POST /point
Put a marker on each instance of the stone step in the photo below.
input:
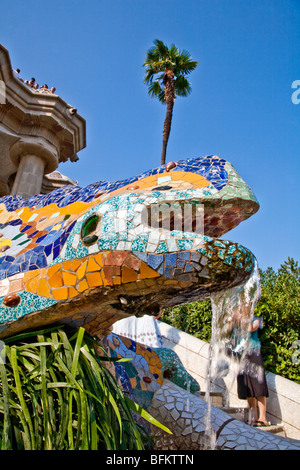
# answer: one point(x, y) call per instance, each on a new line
point(241, 414)
point(216, 398)
point(275, 429)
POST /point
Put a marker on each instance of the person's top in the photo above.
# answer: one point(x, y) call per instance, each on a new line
point(254, 342)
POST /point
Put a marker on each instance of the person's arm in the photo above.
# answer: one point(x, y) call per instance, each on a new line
point(254, 326)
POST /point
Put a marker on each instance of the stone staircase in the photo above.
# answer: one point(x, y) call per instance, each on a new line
point(241, 413)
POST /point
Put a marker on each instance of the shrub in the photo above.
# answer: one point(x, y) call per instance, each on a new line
point(280, 307)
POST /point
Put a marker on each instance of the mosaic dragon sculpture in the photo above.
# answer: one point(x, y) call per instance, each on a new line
point(91, 256)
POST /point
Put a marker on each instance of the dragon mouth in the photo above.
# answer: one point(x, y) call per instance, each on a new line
point(200, 217)
point(185, 252)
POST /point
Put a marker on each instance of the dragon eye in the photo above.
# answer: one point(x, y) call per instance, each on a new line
point(88, 230)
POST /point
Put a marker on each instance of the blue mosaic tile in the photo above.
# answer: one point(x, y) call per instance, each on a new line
point(155, 260)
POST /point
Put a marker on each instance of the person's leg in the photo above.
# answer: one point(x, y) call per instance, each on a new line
point(252, 409)
point(262, 408)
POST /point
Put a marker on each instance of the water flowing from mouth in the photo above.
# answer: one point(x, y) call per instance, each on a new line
point(232, 312)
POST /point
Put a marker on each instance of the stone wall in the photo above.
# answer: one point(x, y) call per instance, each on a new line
point(283, 404)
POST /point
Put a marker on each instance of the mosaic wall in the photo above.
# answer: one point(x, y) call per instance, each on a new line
point(186, 416)
point(85, 256)
point(144, 374)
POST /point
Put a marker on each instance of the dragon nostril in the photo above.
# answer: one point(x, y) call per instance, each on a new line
point(147, 380)
point(170, 166)
point(12, 300)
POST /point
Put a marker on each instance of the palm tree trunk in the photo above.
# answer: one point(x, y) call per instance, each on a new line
point(166, 131)
point(170, 98)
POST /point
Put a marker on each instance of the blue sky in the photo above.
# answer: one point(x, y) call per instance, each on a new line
point(240, 108)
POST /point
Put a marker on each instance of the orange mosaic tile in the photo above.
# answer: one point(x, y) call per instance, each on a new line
point(52, 270)
point(69, 279)
point(43, 288)
point(128, 275)
point(44, 273)
point(82, 285)
point(72, 292)
point(94, 279)
point(60, 293)
point(67, 265)
point(146, 272)
point(92, 265)
point(75, 264)
point(32, 285)
point(98, 259)
point(81, 270)
point(56, 280)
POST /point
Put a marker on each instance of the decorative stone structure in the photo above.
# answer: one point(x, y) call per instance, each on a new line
point(38, 130)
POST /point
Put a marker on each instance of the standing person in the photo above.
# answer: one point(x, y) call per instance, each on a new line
point(251, 381)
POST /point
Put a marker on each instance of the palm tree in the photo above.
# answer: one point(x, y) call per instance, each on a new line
point(166, 71)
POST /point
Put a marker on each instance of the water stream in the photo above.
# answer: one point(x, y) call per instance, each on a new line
point(232, 311)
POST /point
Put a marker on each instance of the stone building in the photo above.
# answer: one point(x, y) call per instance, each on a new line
point(38, 131)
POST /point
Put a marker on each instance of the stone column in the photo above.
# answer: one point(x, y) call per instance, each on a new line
point(28, 181)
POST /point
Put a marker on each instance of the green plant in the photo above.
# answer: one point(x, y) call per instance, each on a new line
point(56, 394)
point(279, 305)
point(194, 318)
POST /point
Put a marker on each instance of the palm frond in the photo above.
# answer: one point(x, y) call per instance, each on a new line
point(182, 86)
point(161, 48)
point(156, 91)
point(160, 58)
